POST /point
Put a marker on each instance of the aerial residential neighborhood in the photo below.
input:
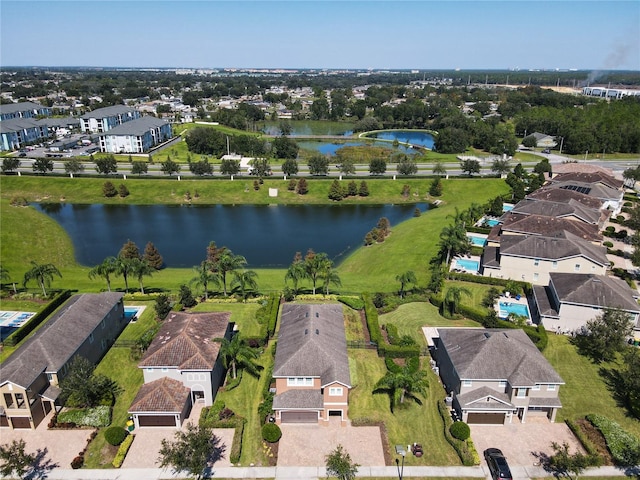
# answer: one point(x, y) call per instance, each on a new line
point(319, 240)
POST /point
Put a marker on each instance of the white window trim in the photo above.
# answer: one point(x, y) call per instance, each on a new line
point(551, 387)
point(536, 387)
point(467, 383)
point(299, 382)
point(336, 391)
point(521, 393)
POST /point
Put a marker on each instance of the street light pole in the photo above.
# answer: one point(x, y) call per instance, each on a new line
point(400, 471)
point(561, 143)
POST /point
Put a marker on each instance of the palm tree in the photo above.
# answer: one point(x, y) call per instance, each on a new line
point(43, 274)
point(104, 270)
point(329, 276)
point(295, 273)
point(228, 262)
point(404, 383)
point(204, 277)
point(453, 240)
point(405, 279)
point(453, 297)
point(141, 268)
point(245, 282)
point(124, 267)
point(235, 353)
point(314, 265)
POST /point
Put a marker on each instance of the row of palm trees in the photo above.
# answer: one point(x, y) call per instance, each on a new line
point(122, 266)
point(42, 273)
point(316, 267)
point(216, 271)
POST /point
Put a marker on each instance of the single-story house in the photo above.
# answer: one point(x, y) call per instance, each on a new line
point(544, 141)
point(180, 367)
point(311, 367)
point(86, 325)
point(494, 374)
point(570, 300)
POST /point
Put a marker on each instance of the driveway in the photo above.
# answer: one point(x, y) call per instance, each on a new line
point(307, 445)
point(58, 447)
point(144, 451)
point(520, 441)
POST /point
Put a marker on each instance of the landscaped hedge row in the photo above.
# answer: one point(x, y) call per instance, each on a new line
point(586, 443)
point(15, 338)
point(209, 417)
point(352, 302)
point(538, 336)
point(372, 319)
point(485, 230)
point(624, 447)
point(122, 451)
point(398, 351)
point(465, 450)
point(503, 282)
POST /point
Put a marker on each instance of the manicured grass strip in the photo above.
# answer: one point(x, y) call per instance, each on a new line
point(242, 314)
point(410, 422)
point(585, 391)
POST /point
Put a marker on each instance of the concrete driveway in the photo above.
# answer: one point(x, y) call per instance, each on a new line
point(307, 445)
point(520, 441)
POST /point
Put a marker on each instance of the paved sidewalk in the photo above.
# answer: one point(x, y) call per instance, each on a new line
point(311, 473)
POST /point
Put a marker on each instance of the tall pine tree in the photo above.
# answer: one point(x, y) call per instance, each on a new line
point(129, 250)
point(152, 256)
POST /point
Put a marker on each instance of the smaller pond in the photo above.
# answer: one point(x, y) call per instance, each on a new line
point(413, 137)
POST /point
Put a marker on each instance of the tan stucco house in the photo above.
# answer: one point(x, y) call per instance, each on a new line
point(493, 375)
point(311, 367)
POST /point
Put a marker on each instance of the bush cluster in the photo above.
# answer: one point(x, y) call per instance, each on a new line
point(624, 447)
point(271, 432)
point(460, 430)
point(352, 302)
point(115, 435)
point(465, 450)
point(210, 417)
point(122, 451)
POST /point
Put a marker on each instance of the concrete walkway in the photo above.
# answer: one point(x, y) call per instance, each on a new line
point(311, 473)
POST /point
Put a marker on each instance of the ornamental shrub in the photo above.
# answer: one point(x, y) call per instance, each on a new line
point(460, 430)
point(271, 432)
point(115, 435)
point(122, 451)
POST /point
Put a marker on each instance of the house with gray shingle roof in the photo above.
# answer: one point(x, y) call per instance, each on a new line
point(311, 367)
point(86, 325)
point(570, 300)
point(136, 136)
point(494, 374)
point(531, 258)
point(543, 226)
point(571, 209)
point(10, 111)
point(184, 352)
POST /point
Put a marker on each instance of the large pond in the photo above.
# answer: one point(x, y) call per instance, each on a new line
point(268, 236)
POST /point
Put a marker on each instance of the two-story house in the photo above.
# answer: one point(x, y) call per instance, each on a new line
point(86, 325)
point(311, 367)
point(180, 367)
point(496, 374)
point(104, 119)
point(531, 258)
point(570, 300)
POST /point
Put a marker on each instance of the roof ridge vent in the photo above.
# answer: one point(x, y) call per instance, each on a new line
point(487, 335)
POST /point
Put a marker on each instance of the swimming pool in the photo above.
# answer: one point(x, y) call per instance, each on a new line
point(133, 313)
point(477, 241)
point(468, 265)
point(507, 207)
point(492, 222)
point(507, 308)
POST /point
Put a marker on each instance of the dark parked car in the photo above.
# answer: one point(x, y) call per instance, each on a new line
point(497, 464)
point(546, 150)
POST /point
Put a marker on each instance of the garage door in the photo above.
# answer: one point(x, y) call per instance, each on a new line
point(299, 417)
point(486, 418)
point(157, 421)
point(20, 422)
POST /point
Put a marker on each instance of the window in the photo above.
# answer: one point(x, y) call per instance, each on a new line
point(103, 344)
point(554, 264)
point(536, 387)
point(299, 382)
point(536, 262)
point(335, 391)
point(551, 388)
point(148, 370)
point(91, 338)
point(502, 384)
point(522, 392)
point(467, 383)
point(165, 370)
point(535, 277)
point(104, 323)
point(576, 268)
point(20, 400)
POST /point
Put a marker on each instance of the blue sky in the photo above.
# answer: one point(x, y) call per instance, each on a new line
point(380, 34)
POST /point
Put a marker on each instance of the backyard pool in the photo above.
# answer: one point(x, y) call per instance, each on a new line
point(492, 222)
point(131, 314)
point(10, 321)
point(477, 240)
point(507, 207)
point(468, 265)
point(507, 308)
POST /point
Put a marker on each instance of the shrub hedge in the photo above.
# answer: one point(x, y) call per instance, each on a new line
point(624, 447)
point(271, 432)
point(115, 435)
point(460, 430)
point(465, 450)
point(210, 417)
point(122, 451)
point(468, 277)
point(352, 302)
point(372, 319)
point(15, 338)
point(586, 443)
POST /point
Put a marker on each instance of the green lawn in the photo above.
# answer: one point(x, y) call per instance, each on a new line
point(242, 314)
point(585, 390)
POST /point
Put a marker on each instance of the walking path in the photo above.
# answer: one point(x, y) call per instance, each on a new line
point(311, 473)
